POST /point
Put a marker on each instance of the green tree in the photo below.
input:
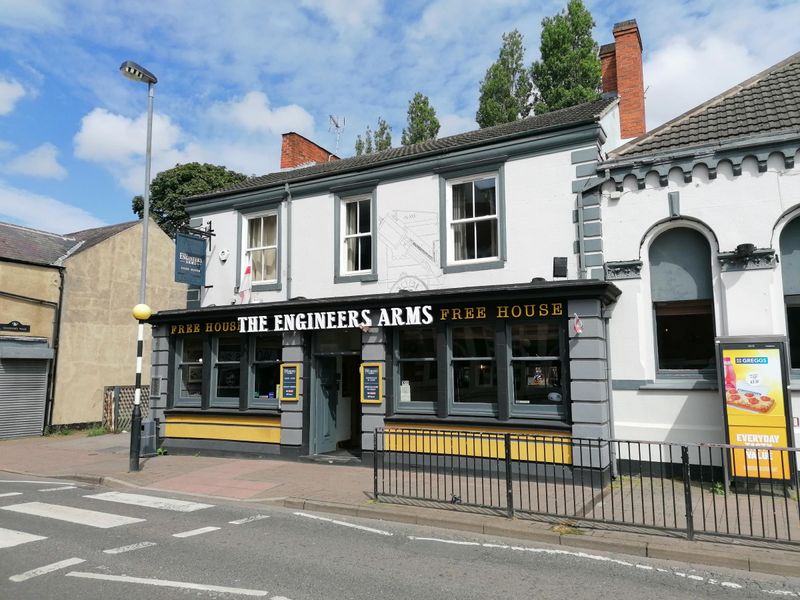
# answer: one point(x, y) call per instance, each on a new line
point(169, 190)
point(375, 141)
point(422, 122)
point(568, 72)
point(506, 87)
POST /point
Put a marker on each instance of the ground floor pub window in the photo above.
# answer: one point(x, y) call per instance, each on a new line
point(416, 364)
point(265, 373)
point(537, 366)
point(226, 378)
point(190, 369)
point(474, 365)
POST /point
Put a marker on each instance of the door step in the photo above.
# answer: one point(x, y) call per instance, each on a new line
point(333, 459)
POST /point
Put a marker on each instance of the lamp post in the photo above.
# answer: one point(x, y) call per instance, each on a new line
point(141, 312)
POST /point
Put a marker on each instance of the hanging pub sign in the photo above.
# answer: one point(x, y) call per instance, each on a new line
point(15, 326)
point(289, 381)
point(371, 383)
point(190, 259)
point(754, 386)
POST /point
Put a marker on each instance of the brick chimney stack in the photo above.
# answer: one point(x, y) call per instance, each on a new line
point(297, 151)
point(621, 64)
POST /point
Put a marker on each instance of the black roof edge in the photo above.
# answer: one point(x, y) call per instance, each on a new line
point(402, 159)
point(605, 291)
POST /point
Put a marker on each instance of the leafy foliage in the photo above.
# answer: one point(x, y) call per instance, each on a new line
point(422, 122)
point(380, 139)
point(169, 190)
point(506, 88)
point(568, 72)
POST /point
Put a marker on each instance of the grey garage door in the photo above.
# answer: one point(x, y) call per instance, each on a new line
point(23, 389)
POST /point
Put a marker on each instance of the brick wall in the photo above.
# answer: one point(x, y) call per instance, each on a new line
point(297, 150)
point(630, 80)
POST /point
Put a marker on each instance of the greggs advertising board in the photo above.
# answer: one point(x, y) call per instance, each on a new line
point(757, 406)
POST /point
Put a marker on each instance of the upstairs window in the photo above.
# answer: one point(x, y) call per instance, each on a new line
point(357, 238)
point(262, 247)
point(682, 294)
point(473, 220)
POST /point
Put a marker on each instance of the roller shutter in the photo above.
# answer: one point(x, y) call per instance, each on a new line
point(23, 390)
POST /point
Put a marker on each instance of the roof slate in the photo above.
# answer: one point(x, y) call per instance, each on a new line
point(581, 113)
point(43, 248)
point(768, 103)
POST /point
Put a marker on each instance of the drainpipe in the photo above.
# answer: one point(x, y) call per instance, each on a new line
point(288, 241)
point(51, 392)
point(611, 433)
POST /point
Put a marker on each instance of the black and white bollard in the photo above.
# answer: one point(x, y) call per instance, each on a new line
point(141, 312)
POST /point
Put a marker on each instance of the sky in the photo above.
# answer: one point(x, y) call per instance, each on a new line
point(234, 75)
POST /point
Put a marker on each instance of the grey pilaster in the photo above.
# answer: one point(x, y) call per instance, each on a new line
point(159, 375)
point(292, 412)
point(374, 350)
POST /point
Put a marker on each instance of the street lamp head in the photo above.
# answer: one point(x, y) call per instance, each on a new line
point(136, 72)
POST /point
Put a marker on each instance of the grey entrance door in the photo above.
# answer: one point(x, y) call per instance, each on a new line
point(325, 403)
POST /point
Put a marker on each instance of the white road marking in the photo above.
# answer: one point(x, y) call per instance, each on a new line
point(248, 519)
point(26, 481)
point(10, 538)
point(122, 549)
point(170, 584)
point(186, 534)
point(585, 555)
point(80, 516)
point(46, 569)
point(454, 542)
point(781, 593)
point(58, 489)
point(7, 494)
point(344, 523)
point(150, 501)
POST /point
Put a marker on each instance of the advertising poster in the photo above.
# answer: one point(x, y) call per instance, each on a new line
point(756, 409)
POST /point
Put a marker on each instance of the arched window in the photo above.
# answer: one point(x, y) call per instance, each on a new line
point(790, 269)
point(680, 282)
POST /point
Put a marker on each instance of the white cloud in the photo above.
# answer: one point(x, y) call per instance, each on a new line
point(24, 14)
point(452, 124)
point(6, 146)
point(42, 212)
point(105, 137)
point(253, 113)
point(39, 162)
point(11, 91)
point(348, 15)
point(683, 74)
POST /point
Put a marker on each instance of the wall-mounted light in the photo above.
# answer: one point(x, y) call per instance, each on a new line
point(745, 249)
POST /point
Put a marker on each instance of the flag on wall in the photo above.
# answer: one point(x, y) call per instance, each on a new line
point(246, 285)
point(577, 324)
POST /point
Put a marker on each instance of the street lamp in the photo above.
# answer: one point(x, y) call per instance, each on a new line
point(141, 311)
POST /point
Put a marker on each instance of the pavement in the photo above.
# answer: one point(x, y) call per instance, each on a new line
point(347, 490)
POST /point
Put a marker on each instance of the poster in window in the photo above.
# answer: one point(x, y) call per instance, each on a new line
point(753, 377)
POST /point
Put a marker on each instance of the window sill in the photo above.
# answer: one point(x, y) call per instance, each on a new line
point(476, 421)
point(473, 266)
point(225, 411)
point(680, 385)
point(266, 287)
point(355, 277)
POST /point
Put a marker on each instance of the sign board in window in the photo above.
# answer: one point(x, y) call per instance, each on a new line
point(190, 259)
point(371, 383)
point(757, 407)
point(290, 382)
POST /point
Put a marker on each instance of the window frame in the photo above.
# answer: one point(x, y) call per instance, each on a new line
point(793, 301)
point(708, 374)
point(447, 237)
point(215, 401)
point(243, 235)
point(472, 408)
point(179, 401)
point(251, 401)
point(560, 412)
point(428, 408)
point(341, 199)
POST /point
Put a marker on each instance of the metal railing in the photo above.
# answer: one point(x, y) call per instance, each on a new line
point(118, 406)
point(710, 489)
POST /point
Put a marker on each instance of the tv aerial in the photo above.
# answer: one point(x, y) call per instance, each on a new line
point(337, 125)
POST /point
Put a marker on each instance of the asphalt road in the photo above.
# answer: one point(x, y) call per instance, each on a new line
point(126, 548)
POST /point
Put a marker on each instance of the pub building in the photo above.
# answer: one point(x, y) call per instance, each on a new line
point(566, 274)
